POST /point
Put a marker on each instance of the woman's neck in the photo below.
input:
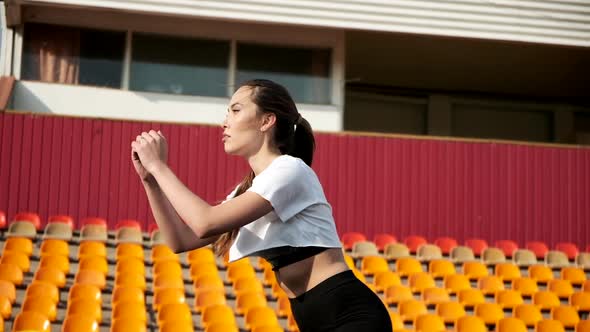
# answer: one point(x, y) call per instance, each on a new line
point(261, 160)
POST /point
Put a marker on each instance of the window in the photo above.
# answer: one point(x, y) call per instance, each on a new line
point(305, 72)
point(179, 65)
point(70, 55)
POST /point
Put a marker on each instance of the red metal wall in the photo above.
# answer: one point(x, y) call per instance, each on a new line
point(404, 186)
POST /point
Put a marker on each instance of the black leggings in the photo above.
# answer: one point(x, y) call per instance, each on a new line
point(340, 303)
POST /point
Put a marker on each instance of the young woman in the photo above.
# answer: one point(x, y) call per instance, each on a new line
point(278, 212)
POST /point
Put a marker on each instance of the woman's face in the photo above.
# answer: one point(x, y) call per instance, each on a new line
point(242, 134)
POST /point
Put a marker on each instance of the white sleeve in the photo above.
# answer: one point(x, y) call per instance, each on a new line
point(286, 185)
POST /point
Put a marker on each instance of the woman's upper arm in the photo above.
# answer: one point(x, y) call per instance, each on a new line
point(232, 214)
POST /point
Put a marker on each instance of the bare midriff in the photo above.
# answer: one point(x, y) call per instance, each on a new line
point(299, 277)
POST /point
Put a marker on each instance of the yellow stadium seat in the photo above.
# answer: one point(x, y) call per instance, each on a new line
point(91, 277)
point(383, 280)
point(541, 273)
point(530, 314)
point(260, 316)
point(208, 282)
point(201, 269)
point(396, 320)
point(420, 281)
point(95, 263)
point(268, 328)
point(247, 284)
point(85, 307)
point(450, 311)
point(429, 322)
point(11, 273)
point(174, 312)
point(283, 306)
point(440, 268)
point(410, 309)
point(128, 325)
point(291, 324)
point(245, 301)
point(583, 326)
point(470, 324)
point(549, 325)
point(167, 267)
point(575, 275)
point(216, 313)
point(5, 307)
point(235, 272)
point(546, 300)
point(490, 313)
point(435, 295)
point(8, 290)
point(130, 265)
point(127, 310)
point(129, 250)
point(475, 270)
point(55, 247)
point(177, 326)
point(526, 286)
point(567, 315)
point(397, 293)
point(371, 265)
point(406, 266)
point(31, 320)
point(168, 295)
point(161, 252)
point(79, 323)
point(561, 288)
point(52, 275)
point(85, 291)
point(509, 298)
point(507, 271)
point(470, 297)
point(44, 305)
point(17, 258)
point(92, 248)
point(455, 283)
point(201, 255)
point(222, 327)
point(58, 261)
point(511, 324)
point(19, 244)
point(131, 279)
point(128, 293)
point(580, 301)
point(490, 285)
point(43, 289)
point(164, 280)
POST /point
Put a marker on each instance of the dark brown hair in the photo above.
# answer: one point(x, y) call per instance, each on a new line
point(292, 135)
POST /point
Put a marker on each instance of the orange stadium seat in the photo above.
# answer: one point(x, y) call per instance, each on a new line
point(200, 269)
point(128, 325)
point(245, 301)
point(8, 290)
point(397, 293)
point(31, 321)
point(414, 242)
point(55, 247)
point(176, 326)
point(161, 252)
point(455, 283)
point(541, 273)
point(406, 266)
point(583, 326)
point(440, 268)
point(235, 272)
point(130, 265)
point(470, 324)
point(546, 300)
point(222, 327)
point(570, 249)
point(260, 316)
point(43, 289)
point(62, 263)
point(11, 273)
point(174, 312)
point(383, 239)
point(131, 279)
point(562, 288)
point(86, 307)
point(530, 314)
point(268, 328)
point(509, 299)
point(511, 324)
point(490, 285)
point(94, 263)
point(383, 280)
point(507, 271)
point(580, 301)
point(508, 247)
point(20, 244)
point(201, 255)
point(168, 295)
point(420, 281)
point(350, 238)
point(79, 323)
point(168, 267)
point(208, 298)
point(93, 277)
point(41, 304)
point(477, 245)
point(85, 291)
point(575, 275)
point(165, 280)
point(208, 282)
point(446, 244)
point(539, 248)
point(526, 286)
point(475, 270)
point(429, 322)
point(17, 258)
point(490, 313)
point(248, 284)
point(370, 265)
point(549, 325)
point(217, 313)
point(470, 297)
point(450, 311)
point(396, 321)
point(127, 293)
point(5, 307)
point(129, 250)
point(127, 310)
point(283, 306)
point(52, 275)
point(92, 248)
point(567, 315)
point(410, 309)
point(435, 295)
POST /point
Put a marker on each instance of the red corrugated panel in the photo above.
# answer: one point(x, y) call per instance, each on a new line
point(403, 186)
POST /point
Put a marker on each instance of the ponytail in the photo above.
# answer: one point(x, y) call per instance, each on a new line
point(304, 143)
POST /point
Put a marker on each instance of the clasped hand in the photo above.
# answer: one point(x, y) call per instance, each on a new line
point(149, 151)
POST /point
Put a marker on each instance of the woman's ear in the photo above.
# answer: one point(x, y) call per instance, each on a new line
point(268, 121)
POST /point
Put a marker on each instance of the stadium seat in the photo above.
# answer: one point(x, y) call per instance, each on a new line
point(570, 249)
point(260, 316)
point(406, 266)
point(414, 242)
point(82, 291)
point(546, 300)
point(583, 260)
point(128, 325)
point(440, 268)
point(526, 286)
point(283, 306)
point(508, 247)
point(556, 259)
point(461, 254)
point(62, 219)
point(130, 265)
point(167, 280)
point(583, 326)
point(51, 247)
point(455, 283)
point(492, 256)
point(427, 252)
point(93, 232)
point(410, 309)
point(420, 281)
point(541, 273)
point(5, 307)
point(201, 255)
point(2, 219)
point(470, 297)
point(393, 251)
point(524, 257)
point(382, 240)
point(20, 244)
point(130, 235)
point(62, 263)
point(385, 279)
point(511, 324)
point(131, 279)
point(52, 275)
point(364, 248)
point(475, 270)
point(508, 298)
point(127, 310)
point(177, 326)
point(217, 313)
point(11, 273)
point(507, 271)
point(540, 249)
point(91, 277)
point(32, 321)
point(586, 286)
point(248, 284)
point(162, 252)
point(79, 323)
point(94, 263)
point(208, 281)
point(167, 267)
point(580, 301)
point(57, 231)
point(249, 300)
point(235, 272)
point(30, 217)
point(268, 328)
point(490, 313)
point(85, 307)
point(223, 327)
point(174, 312)
point(429, 322)
point(24, 229)
point(350, 238)
point(549, 325)
point(17, 258)
point(92, 248)
point(43, 289)
point(370, 265)
point(434, 295)
point(397, 293)
point(446, 244)
point(470, 324)
point(561, 288)
point(129, 250)
point(490, 285)
point(127, 293)
point(210, 297)
point(575, 275)
point(44, 305)
point(167, 295)
point(8, 290)
point(396, 320)
point(567, 315)
point(530, 314)
point(450, 311)
point(477, 245)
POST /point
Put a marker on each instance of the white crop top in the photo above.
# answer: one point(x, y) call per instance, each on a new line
point(301, 215)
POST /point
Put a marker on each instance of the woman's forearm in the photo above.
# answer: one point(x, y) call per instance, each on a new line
point(177, 234)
